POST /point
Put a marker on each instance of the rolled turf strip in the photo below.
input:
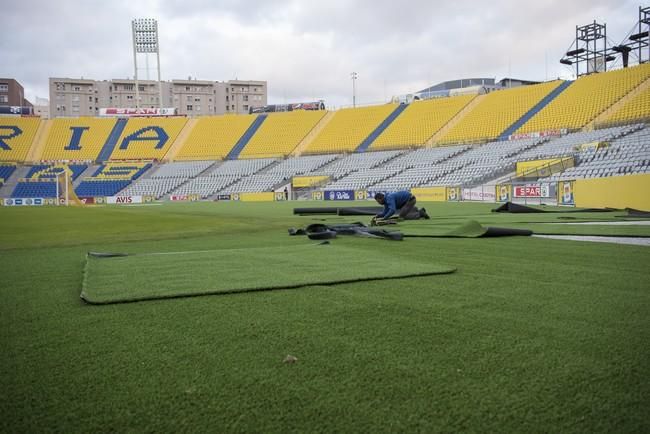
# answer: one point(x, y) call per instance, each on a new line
point(359, 210)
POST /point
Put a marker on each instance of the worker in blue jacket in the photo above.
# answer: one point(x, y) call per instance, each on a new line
point(403, 201)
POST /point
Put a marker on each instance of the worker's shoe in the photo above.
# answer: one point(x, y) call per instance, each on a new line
point(423, 214)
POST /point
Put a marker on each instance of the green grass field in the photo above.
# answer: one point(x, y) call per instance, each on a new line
point(528, 334)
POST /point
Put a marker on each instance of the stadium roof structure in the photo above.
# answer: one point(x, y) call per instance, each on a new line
point(459, 84)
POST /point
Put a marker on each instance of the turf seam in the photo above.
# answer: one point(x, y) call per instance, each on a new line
point(243, 291)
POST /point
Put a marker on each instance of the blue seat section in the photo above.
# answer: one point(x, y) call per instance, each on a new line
point(6, 171)
point(101, 188)
point(51, 171)
point(380, 129)
point(111, 142)
point(111, 178)
point(533, 111)
point(243, 140)
point(35, 189)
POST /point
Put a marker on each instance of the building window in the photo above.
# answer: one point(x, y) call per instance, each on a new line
point(4, 98)
point(75, 108)
point(60, 96)
point(198, 108)
point(189, 108)
point(141, 87)
point(187, 88)
point(245, 97)
point(245, 106)
point(129, 97)
point(75, 98)
point(197, 99)
point(4, 87)
point(226, 98)
point(60, 86)
point(128, 87)
point(90, 99)
point(76, 88)
point(233, 107)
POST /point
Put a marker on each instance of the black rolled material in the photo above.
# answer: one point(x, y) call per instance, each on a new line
point(361, 210)
point(515, 208)
point(326, 210)
point(505, 232)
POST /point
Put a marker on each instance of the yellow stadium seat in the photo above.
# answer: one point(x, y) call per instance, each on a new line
point(420, 121)
point(16, 137)
point(281, 133)
point(586, 98)
point(638, 108)
point(147, 138)
point(498, 111)
point(77, 138)
point(348, 128)
point(214, 136)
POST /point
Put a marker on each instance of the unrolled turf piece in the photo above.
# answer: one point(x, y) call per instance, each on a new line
point(120, 279)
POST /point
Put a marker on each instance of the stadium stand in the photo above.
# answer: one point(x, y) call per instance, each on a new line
point(625, 155)
point(111, 178)
point(420, 121)
point(587, 97)
point(166, 178)
point(255, 183)
point(77, 139)
point(353, 162)
point(418, 167)
point(481, 163)
point(348, 128)
point(16, 137)
point(276, 174)
point(147, 138)
point(279, 135)
point(363, 178)
point(635, 109)
point(45, 189)
point(40, 180)
point(566, 145)
point(46, 171)
point(6, 170)
point(300, 165)
point(213, 137)
point(497, 112)
point(222, 176)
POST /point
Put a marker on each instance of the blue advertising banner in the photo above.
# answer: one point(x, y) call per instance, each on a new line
point(339, 194)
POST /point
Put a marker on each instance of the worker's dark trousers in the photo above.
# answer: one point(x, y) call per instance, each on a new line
point(409, 211)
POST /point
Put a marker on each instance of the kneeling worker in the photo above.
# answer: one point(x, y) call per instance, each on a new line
point(403, 201)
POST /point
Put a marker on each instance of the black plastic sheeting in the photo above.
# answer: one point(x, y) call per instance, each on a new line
point(506, 232)
point(319, 231)
point(631, 212)
point(358, 210)
point(515, 208)
point(490, 232)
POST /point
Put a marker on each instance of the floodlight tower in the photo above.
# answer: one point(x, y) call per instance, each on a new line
point(145, 40)
point(590, 49)
point(354, 76)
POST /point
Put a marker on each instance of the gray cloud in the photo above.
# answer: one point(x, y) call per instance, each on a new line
point(305, 49)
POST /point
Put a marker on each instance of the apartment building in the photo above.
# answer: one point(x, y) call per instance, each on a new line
point(191, 97)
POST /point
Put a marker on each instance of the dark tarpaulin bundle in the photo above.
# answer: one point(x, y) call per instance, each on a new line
point(319, 231)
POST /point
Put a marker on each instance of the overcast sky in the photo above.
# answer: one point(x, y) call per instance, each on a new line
point(304, 49)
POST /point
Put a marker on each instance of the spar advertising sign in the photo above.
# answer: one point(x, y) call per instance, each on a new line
point(531, 190)
point(121, 200)
point(339, 194)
